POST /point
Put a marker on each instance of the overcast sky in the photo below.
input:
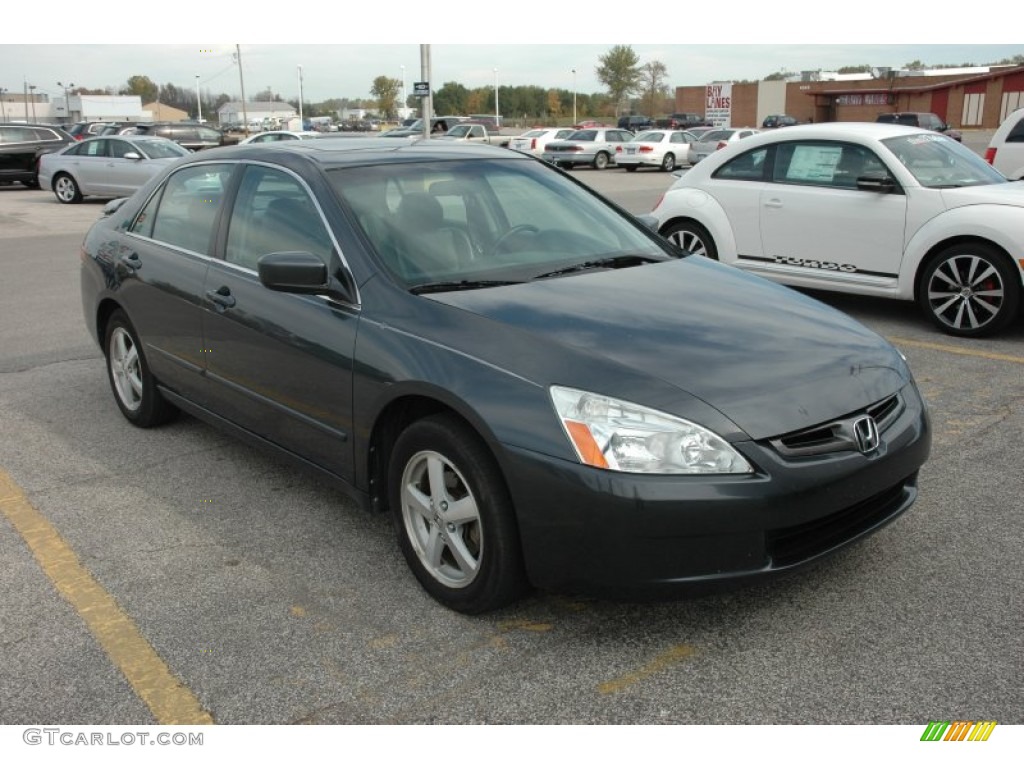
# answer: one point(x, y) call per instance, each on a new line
point(341, 48)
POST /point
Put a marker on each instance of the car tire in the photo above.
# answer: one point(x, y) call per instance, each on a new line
point(669, 163)
point(461, 541)
point(134, 387)
point(601, 160)
point(32, 183)
point(66, 189)
point(970, 289)
point(629, 168)
point(691, 237)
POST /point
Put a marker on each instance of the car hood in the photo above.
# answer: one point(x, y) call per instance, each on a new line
point(768, 358)
point(1011, 193)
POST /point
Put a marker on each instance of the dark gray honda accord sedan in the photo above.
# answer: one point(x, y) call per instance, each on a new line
point(539, 389)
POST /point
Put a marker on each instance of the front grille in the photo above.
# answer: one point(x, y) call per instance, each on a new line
point(838, 435)
point(789, 546)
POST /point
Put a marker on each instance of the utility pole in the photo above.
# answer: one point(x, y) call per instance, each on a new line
point(199, 103)
point(428, 100)
point(241, 83)
point(301, 121)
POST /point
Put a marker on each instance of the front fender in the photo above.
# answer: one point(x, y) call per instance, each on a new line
point(996, 224)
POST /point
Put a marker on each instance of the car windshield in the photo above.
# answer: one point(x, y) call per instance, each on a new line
point(939, 162)
point(468, 224)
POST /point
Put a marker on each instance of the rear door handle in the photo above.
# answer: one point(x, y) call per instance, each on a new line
point(773, 203)
point(222, 298)
point(131, 261)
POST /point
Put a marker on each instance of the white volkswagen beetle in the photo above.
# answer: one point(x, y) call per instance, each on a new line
point(866, 208)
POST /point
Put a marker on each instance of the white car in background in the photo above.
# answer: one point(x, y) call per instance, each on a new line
point(535, 140)
point(108, 166)
point(664, 149)
point(596, 147)
point(268, 137)
point(866, 208)
point(1006, 149)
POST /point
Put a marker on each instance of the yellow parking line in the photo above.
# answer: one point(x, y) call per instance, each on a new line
point(956, 350)
point(671, 656)
point(167, 698)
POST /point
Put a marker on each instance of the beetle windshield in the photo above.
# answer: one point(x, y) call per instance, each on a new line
point(939, 162)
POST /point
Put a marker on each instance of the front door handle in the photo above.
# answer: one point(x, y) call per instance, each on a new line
point(222, 298)
point(773, 203)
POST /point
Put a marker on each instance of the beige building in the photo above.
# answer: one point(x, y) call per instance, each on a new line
point(162, 113)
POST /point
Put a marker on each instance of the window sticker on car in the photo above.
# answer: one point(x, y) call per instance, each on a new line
point(810, 163)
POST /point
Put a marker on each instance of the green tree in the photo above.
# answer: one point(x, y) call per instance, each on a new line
point(780, 75)
point(619, 70)
point(451, 99)
point(385, 90)
point(654, 75)
point(141, 86)
point(915, 64)
point(851, 69)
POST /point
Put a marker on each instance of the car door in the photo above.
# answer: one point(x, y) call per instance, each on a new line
point(124, 175)
point(89, 166)
point(280, 364)
point(162, 264)
point(816, 223)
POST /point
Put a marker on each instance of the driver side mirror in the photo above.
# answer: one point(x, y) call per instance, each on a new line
point(876, 181)
point(131, 156)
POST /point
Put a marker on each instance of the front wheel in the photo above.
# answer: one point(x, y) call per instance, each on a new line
point(66, 189)
point(601, 161)
point(454, 517)
point(630, 168)
point(134, 386)
point(971, 289)
point(692, 238)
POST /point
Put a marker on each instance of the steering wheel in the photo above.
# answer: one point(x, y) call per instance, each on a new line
point(496, 248)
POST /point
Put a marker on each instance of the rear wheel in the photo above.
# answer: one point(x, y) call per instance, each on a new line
point(669, 163)
point(601, 161)
point(630, 168)
point(32, 183)
point(454, 517)
point(66, 189)
point(970, 289)
point(692, 238)
point(134, 386)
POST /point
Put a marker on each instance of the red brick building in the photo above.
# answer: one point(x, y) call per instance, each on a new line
point(979, 101)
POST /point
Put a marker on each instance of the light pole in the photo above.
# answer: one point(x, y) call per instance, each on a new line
point(3, 109)
point(199, 102)
point(404, 97)
point(302, 122)
point(574, 97)
point(32, 91)
point(497, 113)
point(67, 103)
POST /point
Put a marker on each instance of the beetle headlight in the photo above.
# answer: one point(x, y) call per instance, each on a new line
point(614, 434)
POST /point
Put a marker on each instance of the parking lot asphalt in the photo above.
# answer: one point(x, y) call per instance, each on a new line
point(270, 599)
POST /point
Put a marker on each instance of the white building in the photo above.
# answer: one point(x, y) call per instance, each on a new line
point(260, 113)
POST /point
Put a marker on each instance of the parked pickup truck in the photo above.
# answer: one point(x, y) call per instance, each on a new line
point(476, 134)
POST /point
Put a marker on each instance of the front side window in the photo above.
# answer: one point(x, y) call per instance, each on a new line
point(183, 213)
point(824, 163)
point(273, 213)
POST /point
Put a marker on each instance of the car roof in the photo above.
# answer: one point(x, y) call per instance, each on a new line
point(330, 151)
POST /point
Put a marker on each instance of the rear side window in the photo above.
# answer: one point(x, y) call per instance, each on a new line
point(184, 212)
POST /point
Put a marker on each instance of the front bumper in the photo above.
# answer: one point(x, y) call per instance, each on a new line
point(637, 536)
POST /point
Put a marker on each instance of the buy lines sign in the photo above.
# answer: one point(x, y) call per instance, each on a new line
point(718, 104)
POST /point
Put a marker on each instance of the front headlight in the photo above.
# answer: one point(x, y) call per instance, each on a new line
point(614, 434)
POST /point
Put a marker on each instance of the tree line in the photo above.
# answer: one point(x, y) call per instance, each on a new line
point(631, 86)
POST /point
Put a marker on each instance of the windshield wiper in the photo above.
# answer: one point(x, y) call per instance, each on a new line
point(609, 262)
point(459, 285)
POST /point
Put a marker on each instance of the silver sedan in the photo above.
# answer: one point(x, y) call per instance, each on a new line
point(593, 146)
point(111, 166)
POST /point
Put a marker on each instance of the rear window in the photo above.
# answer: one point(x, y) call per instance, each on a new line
point(717, 136)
